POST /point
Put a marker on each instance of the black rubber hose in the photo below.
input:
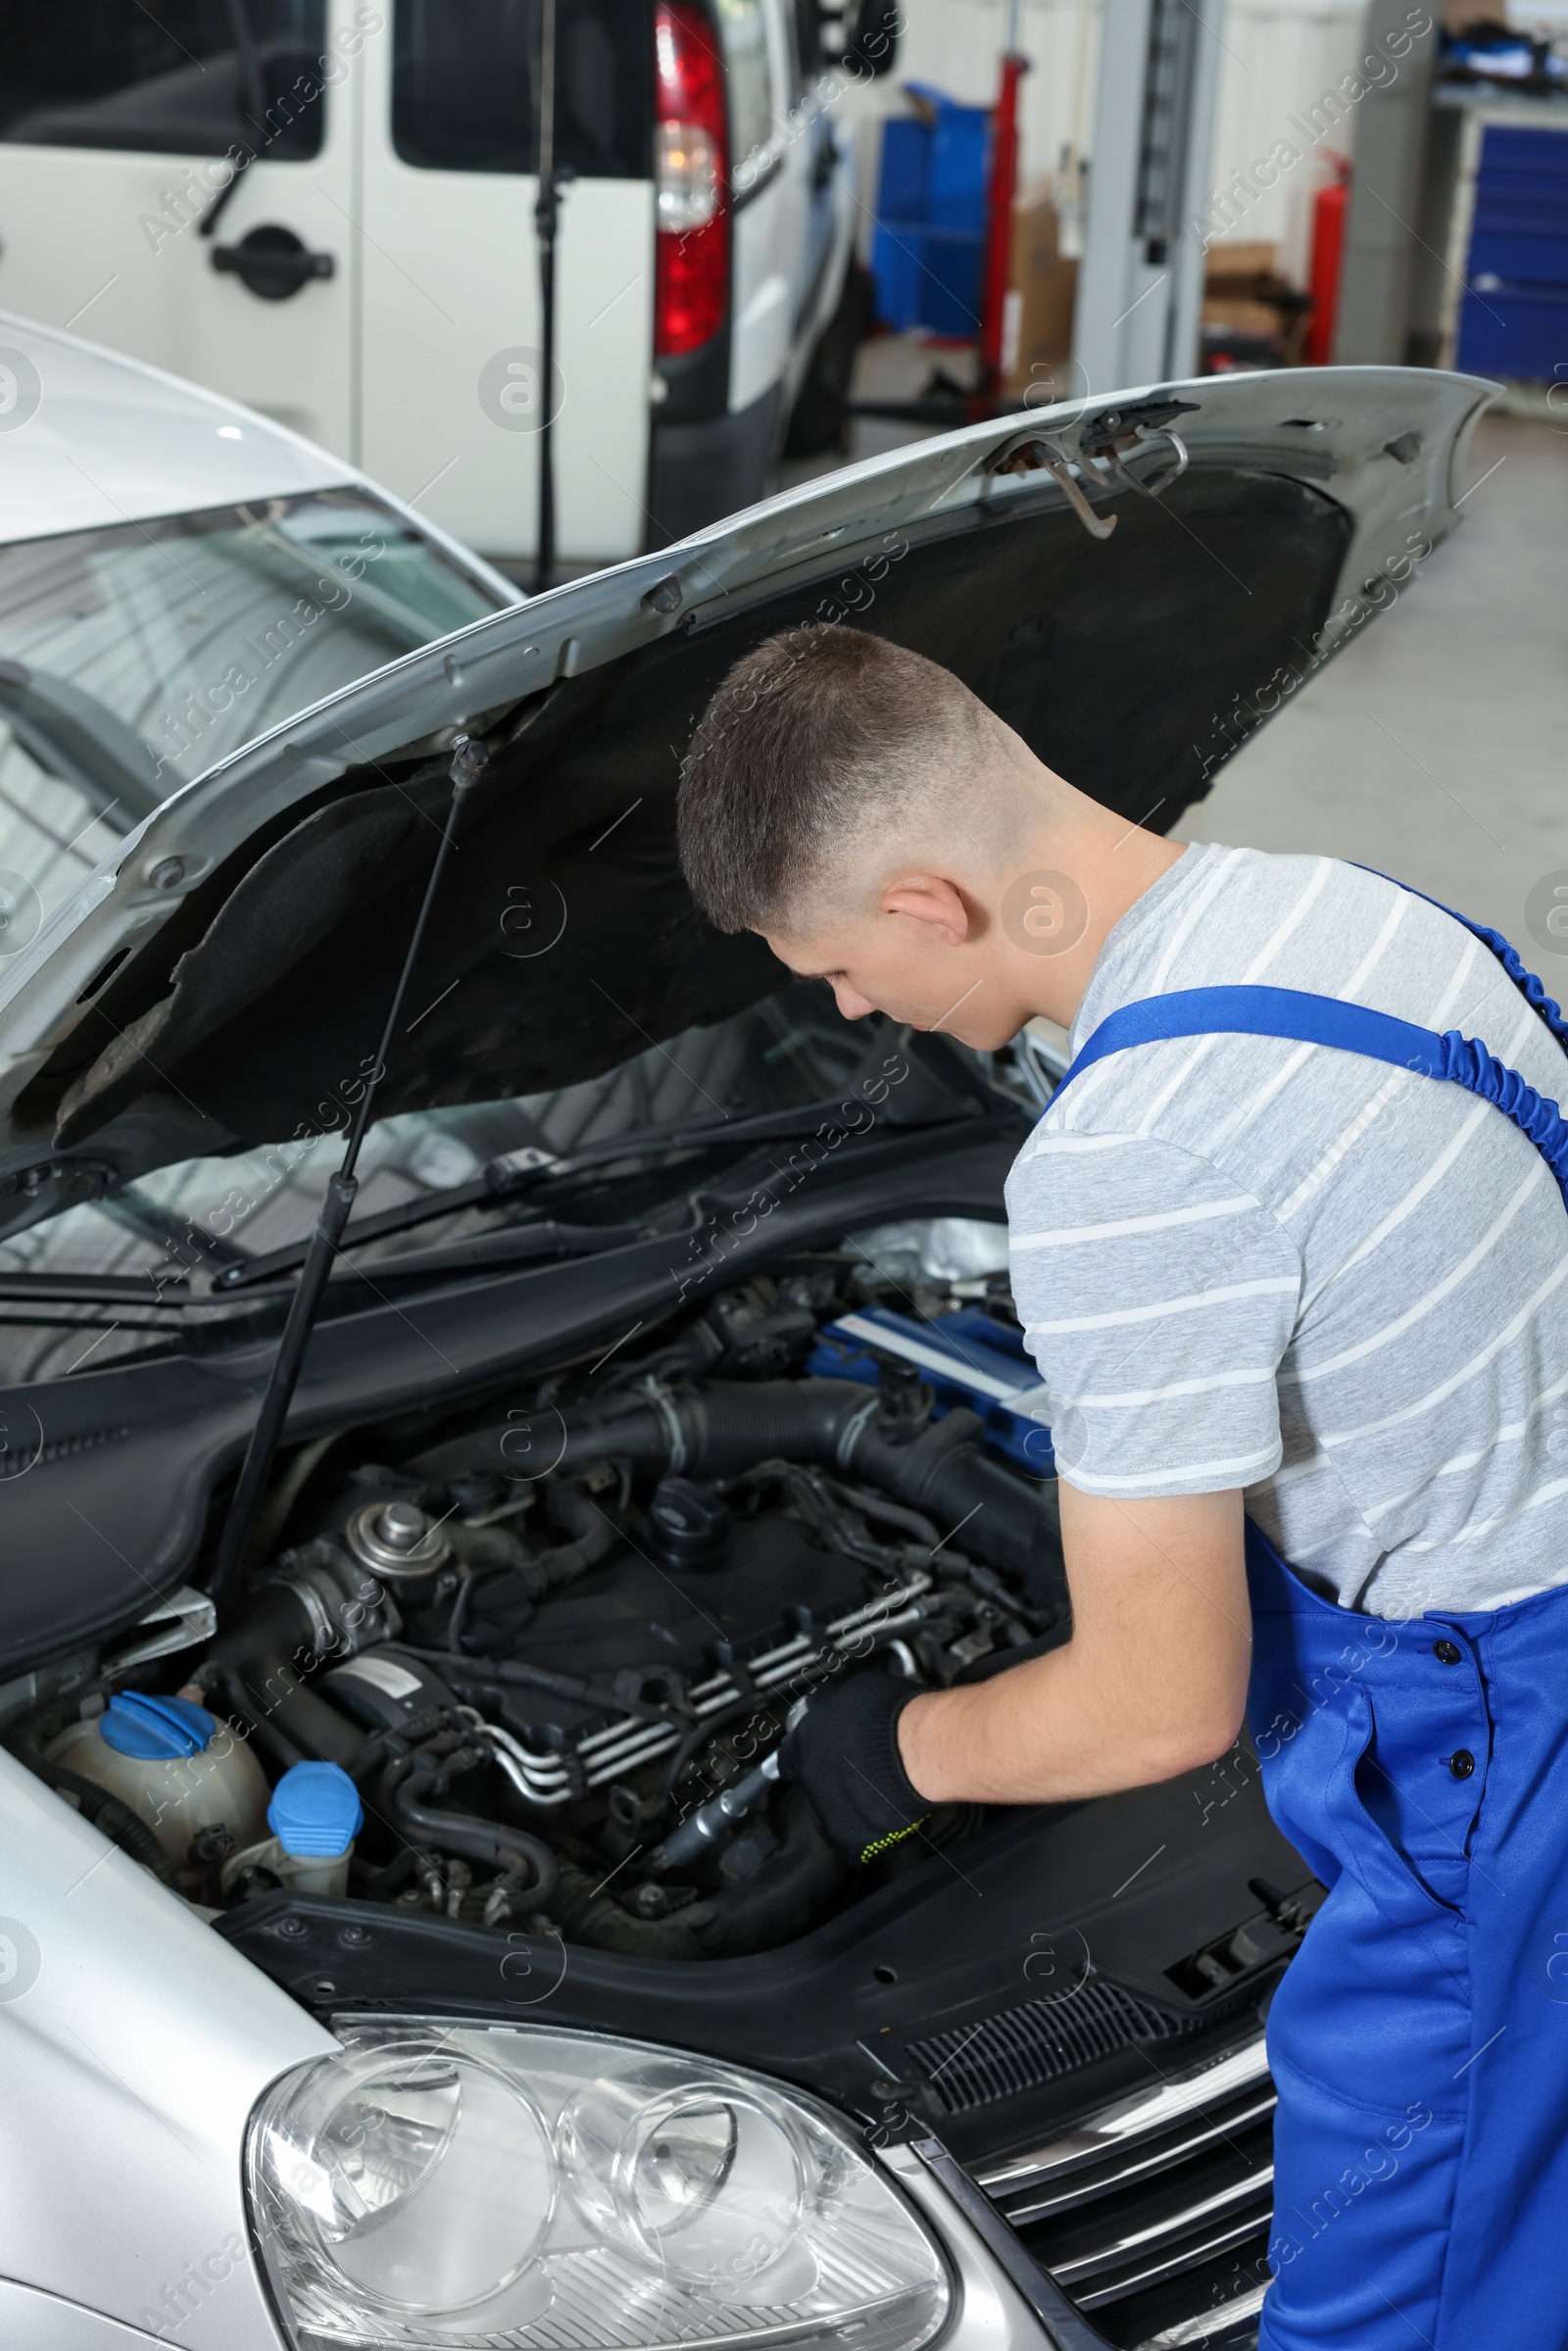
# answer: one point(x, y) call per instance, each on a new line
point(381, 1745)
point(501, 1845)
point(750, 1700)
point(788, 1897)
point(253, 1662)
point(592, 1435)
point(944, 1473)
point(594, 1535)
point(722, 1427)
point(223, 1682)
point(107, 1813)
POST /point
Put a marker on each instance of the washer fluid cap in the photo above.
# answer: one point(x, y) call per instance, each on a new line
point(314, 1811)
point(149, 1728)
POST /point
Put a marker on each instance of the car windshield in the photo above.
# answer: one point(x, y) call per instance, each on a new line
point(133, 658)
point(166, 1238)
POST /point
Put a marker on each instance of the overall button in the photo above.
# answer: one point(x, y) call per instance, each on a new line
point(1461, 1763)
point(1446, 1652)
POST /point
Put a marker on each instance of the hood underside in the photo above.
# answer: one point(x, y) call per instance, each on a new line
point(228, 972)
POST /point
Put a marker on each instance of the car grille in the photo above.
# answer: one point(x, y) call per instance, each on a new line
point(1152, 2215)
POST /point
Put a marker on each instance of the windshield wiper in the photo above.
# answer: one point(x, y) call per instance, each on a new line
point(107, 1288)
point(481, 1250)
point(516, 1172)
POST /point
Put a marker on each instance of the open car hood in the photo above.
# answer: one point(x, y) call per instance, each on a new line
point(223, 977)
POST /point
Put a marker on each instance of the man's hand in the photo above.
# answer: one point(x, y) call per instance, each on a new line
point(844, 1752)
point(1151, 1684)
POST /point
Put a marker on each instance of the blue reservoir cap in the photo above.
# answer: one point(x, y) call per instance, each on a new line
point(154, 1728)
point(314, 1811)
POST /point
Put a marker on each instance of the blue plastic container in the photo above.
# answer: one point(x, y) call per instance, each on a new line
point(928, 248)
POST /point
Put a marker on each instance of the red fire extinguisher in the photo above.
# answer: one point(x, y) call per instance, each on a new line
point(1327, 251)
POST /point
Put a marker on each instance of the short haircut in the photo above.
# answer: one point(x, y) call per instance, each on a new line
point(818, 738)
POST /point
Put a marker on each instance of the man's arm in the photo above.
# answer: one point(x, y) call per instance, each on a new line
point(1152, 1682)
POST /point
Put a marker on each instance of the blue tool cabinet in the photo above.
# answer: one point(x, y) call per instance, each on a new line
point(1511, 301)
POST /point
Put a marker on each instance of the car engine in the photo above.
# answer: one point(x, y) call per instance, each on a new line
point(556, 1642)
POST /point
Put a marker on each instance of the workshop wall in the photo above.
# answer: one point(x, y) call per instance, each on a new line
point(1280, 61)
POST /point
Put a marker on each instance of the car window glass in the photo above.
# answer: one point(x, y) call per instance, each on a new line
point(136, 658)
point(805, 45)
point(743, 29)
point(174, 80)
point(465, 86)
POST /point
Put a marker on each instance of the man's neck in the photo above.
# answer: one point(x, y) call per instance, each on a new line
point(1112, 863)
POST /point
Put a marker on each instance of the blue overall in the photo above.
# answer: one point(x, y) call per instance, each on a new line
point(1420, 2039)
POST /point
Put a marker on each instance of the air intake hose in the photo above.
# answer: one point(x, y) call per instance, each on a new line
point(722, 1427)
point(258, 1663)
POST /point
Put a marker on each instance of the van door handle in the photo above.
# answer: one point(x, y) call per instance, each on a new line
point(272, 263)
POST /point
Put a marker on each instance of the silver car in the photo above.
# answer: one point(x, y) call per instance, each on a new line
point(408, 1941)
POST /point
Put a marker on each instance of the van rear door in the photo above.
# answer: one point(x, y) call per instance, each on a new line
point(118, 135)
point(451, 380)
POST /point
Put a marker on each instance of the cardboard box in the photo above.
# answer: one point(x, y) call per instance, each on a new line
point(1243, 318)
point(1245, 258)
point(1246, 297)
point(1037, 324)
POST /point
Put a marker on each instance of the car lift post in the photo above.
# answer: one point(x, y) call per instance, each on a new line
point(1141, 278)
point(1000, 190)
point(547, 220)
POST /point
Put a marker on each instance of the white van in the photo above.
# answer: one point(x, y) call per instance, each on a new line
point(369, 276)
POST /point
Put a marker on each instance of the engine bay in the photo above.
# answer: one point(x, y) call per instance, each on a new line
point(553, 1642)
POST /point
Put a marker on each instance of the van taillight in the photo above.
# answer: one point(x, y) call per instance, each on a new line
point(691, 180)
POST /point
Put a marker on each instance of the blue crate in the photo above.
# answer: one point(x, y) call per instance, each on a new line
point(928, 250)
point(927, 277)
point(906, 168)
point(958, 160)
point(950, 293)
point(897, 271)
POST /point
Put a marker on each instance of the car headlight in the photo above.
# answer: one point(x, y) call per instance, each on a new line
point(523, 2188)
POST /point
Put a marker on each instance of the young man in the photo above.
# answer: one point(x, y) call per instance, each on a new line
point(1296, 1298)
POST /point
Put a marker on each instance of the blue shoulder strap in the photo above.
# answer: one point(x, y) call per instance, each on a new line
point(1529, 987)
point(1291, 1013)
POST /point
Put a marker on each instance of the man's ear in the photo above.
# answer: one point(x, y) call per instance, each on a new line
point(927, 898)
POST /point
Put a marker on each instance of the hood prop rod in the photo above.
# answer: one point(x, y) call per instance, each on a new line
point(468, 759)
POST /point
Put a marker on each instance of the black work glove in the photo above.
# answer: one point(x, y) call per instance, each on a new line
point(844, 1752)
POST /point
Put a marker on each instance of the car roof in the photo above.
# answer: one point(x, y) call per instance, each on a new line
point(91, 439)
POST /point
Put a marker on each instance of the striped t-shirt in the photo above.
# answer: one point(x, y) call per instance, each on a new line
point(1341, 1285)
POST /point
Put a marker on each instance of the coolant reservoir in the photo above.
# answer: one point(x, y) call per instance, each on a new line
point(314, 1816)
point(175, 1764)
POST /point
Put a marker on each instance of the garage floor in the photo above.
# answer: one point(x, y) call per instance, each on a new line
point(1433, 746)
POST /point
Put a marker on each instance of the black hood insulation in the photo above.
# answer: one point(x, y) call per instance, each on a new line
point(560, 946)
